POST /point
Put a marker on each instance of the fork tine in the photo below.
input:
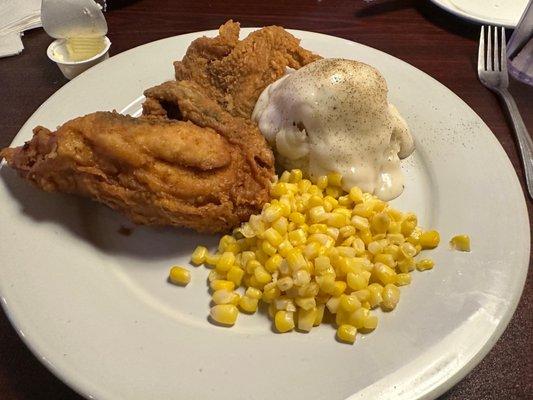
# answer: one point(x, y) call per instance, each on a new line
point(490, 59)
point(503, 57)
point(481, 51)
point(496, 58)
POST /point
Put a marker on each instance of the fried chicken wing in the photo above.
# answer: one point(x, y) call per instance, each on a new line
point(234, 72)
point(154, 171)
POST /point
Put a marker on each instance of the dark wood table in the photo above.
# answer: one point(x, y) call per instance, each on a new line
point(415, 31)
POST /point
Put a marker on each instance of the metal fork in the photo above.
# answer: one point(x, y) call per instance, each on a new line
point(492, 72)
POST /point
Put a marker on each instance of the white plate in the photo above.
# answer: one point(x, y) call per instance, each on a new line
point(505, 13)
point(95, 307)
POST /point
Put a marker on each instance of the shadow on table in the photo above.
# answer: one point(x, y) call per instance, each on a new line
point(432, 13)
point(21, 376)
point(105, 229)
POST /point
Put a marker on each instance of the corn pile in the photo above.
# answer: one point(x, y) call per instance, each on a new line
point(314, 249)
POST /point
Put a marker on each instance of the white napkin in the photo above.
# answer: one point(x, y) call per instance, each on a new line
point(17, 16)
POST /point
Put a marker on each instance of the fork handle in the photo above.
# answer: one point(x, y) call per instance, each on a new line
point(524, 140)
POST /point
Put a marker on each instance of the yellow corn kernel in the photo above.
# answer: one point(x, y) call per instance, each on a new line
point(248, 304)
point(358, 281)
point(409, 224)
point(407, 250)
point(358, 317)
point(326, 283)
point(214, 274)
point(306, 318)
point(363, 210)
point(338, 288)
point(273, 263)
point(461, 242)
point(284, 283)
point(322, 263)
point(366, 237)
point(391, 297)
point(359, 246)
point(317, 228)
point(334, 179)
point(362, 295)
point(384, 273)
point(279, 189)
point(308, 290)
point(285, 303)
point(198, 255)
point(380, 222)
point(414, 237)
point(317, 214)
point(284, 248)
point(219, 284)
point(403, 279)
point(429, 239)
point(370, 322)
point(304, 186)
point(319, 314)
point(349, 303)
point(295, 259)
point(179, 276)
point(297, 237)
point(252, 265)
point(253, 293)
point(406, 265)
point(225, 262)
point(296, 176)
point(425, 264)
point(281, 225)
point(285, 177)
point(315, 201)
point(347, 231)
point(376, 294)
point(297, 218)
point(262, 275)
point(284, 321)
point(322, 182)
point(270, 294)
point(268, 248)
point(306, 303)
point(271, 213)
point(224, 296)
point(261, 256)
point(395, 215)
point(273, 236)
point(333, 304)
point(360, 223)
point(301, 277)
point(224, 242)
point(225, 314)
point(311, 250)
point(356, 195)
point(385, 258)
point(211, 259)
point(346, 333)
point(375, 247)
point(235, 275)
point(330, 202)
point(337, 220)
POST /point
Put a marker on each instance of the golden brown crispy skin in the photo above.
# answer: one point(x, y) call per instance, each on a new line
point(234, 72)
point(155, 171)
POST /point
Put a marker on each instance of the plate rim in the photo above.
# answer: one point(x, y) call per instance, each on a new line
point(82, 388)
point(452, 9)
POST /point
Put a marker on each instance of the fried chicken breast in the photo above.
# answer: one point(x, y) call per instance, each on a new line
point(194, 159)
point(154, 171)
point(234, 72)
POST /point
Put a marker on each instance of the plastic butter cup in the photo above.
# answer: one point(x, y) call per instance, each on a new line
point(57, 52)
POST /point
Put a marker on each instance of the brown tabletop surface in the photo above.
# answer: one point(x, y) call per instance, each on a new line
point(417, 32)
